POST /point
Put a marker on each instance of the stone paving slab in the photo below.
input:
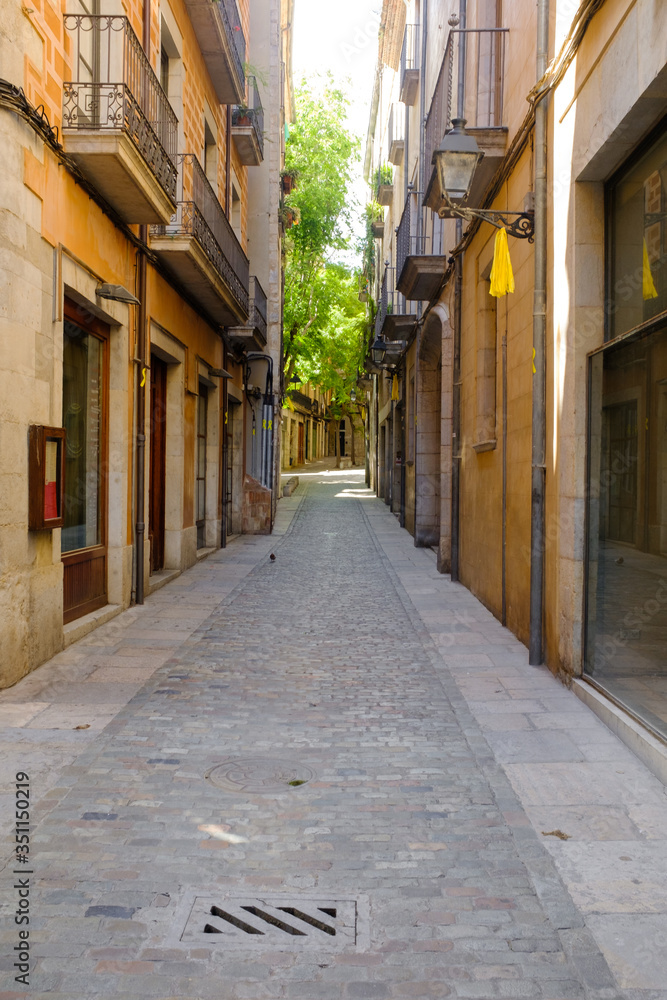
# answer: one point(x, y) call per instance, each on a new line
point(322, 661)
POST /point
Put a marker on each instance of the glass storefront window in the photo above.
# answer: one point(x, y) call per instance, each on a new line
point(637, 241)
point(626, 626)
point(82, 419)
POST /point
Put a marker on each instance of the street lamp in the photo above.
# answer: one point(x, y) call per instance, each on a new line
point(378, 350)
point(456, 160)
point(353, 396)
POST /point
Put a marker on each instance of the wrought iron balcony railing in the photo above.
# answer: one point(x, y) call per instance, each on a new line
point(114, 88)
point(252, 113)
point(230, 18)
point(396, 134)
point(409, 77)
point(301, 399)
point(200, 214)
point(410, 236)
point(392, 303)
point(257, 306)
point(472, 70)
point(420, 245)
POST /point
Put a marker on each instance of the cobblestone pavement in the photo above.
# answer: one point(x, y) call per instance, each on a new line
point(310, 750)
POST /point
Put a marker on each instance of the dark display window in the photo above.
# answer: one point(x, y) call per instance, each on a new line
point(626, 607)
point(637, 240)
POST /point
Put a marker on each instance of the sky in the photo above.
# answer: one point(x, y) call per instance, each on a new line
point(341, 37)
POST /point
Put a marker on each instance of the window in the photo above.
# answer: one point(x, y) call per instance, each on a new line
point(164, 70)
point(200, 476)
point(626, 619)
point(83, 387)
point(236, 211)
point(210, 156)
point(637, 239)
point(83, 536)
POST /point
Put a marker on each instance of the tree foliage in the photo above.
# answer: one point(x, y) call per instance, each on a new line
point(317, 288)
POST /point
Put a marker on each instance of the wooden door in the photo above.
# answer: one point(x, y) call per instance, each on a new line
point(85, 389)
point(158, 450)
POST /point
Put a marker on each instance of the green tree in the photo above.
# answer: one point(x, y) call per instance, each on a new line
point(332, 356)
point(323, 152)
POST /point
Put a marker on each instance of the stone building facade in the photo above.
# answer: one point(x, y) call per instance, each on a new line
point(141, 149)
point(551, 512)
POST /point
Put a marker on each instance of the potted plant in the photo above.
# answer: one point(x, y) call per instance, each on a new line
point(290, 216)
point(384, 183)
point(241, 115)
point(289, 179)
point(375, 218)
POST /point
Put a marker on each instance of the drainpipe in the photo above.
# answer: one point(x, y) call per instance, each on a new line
point(538, 461)
point(456, 360)
point(424, 167)
point(456, 410)
point(224, 465)
point(140, 526)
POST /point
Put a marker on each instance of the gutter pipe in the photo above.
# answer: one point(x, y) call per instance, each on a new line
point(538, 458)
point(140, 483)
point(456, 360)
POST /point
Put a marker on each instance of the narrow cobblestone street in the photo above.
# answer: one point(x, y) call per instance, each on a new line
point(303, 740)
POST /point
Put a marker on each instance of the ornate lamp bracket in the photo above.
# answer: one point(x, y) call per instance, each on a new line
point(521, 225)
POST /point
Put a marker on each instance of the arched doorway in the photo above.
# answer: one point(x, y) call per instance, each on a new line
point(433, 437)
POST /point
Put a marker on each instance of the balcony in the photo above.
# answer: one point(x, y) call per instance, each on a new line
point(409, 78)
point(395, 317)
point(377, 224)
point(396, 134)
point(420, 258)
point(384, 185)
point(252, 336)
point(248, 127)
point(118, 125)
point(200, 249)
point(221, 41)
point(475, 57)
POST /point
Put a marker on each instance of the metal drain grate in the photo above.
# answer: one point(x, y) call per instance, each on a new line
point(320, 924)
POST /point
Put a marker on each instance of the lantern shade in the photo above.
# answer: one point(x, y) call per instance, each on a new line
point(456, 160)
point(378, 350)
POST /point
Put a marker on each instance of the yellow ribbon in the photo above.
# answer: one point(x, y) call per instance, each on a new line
point(649, 290)
point(502, 278)
point(394, 388)
point(143, 378)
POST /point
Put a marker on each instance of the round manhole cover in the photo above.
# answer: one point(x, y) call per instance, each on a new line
point(259, 774)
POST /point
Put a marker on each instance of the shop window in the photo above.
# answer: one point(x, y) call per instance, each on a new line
point(83, 536)
point(637, 240)
point(626, 612)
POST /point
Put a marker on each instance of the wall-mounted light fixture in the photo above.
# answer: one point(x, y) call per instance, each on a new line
point(456, 160)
